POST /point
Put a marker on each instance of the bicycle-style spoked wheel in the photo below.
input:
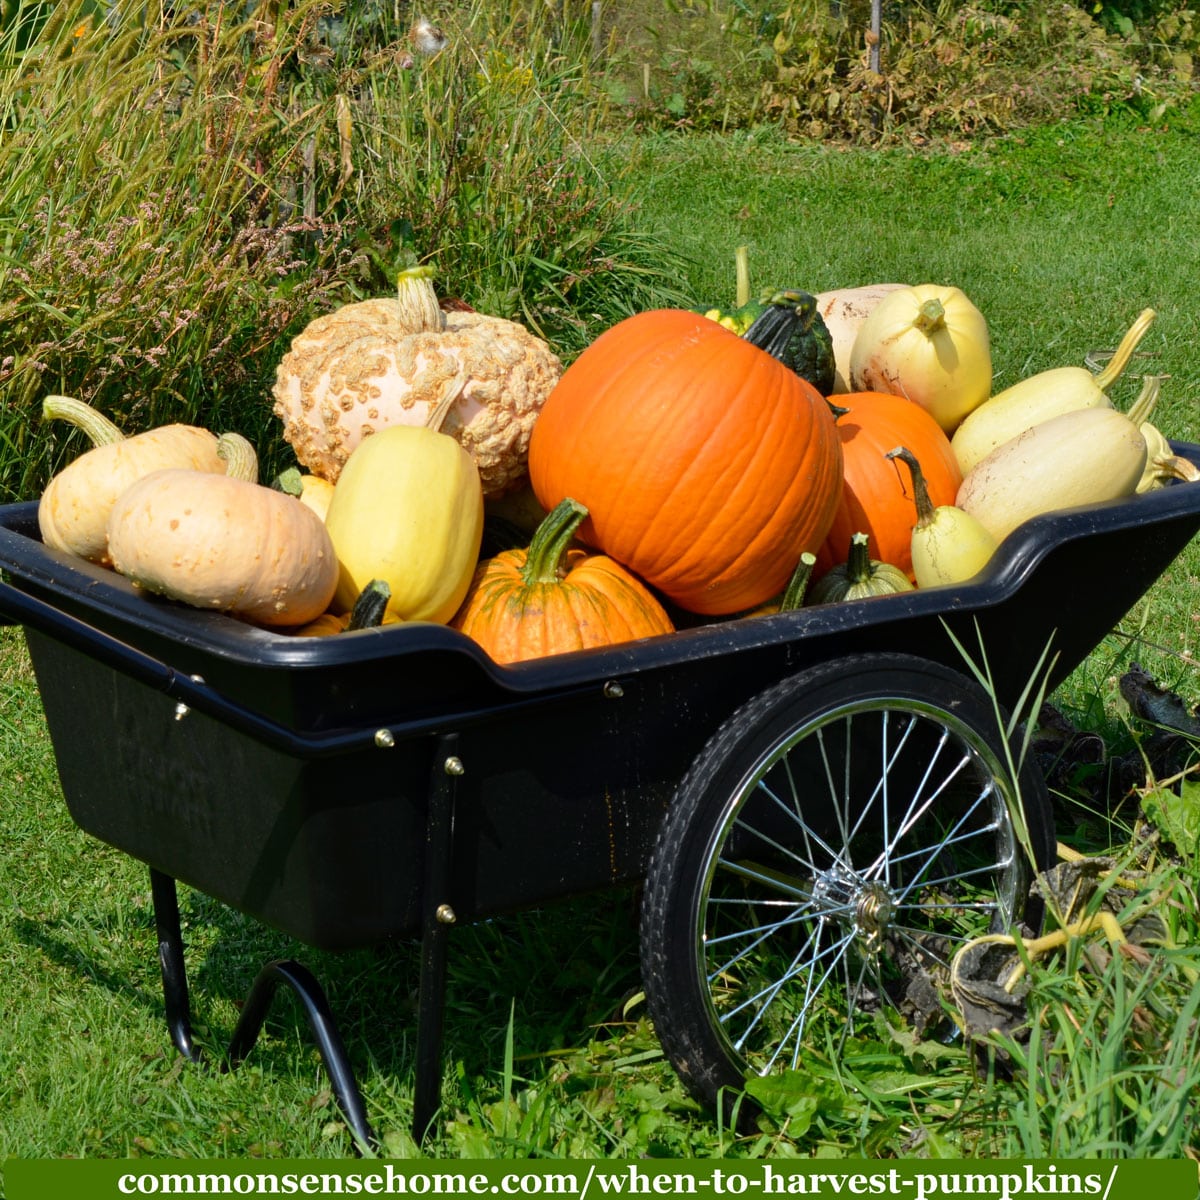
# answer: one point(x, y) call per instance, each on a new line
point(835, 843)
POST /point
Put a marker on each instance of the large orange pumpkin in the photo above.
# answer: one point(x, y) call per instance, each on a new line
point(550, 598)
point(877, 496)
point(707, 467)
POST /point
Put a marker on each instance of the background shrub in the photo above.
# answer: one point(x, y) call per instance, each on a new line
point(947, 70)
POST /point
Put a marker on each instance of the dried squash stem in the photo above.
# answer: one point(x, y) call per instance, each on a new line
point(1173, 466)
point(241, 461)
point(99, 429)
point(420, 311)
point(1124, 351)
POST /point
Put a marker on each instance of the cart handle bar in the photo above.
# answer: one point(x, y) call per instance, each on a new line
point(195, 694)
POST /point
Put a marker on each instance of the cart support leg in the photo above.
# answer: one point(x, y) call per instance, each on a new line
point(320, 1020)
point(254, 1011)
point(437, 917)
point(171, 963)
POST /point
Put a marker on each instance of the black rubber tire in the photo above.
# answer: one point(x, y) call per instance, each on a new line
point(752, 857)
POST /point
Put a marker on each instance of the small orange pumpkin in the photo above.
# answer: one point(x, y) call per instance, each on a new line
point(550, 598)
point(877, 496)
point(706, 465)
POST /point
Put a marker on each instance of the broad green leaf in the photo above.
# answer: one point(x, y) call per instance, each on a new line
point(788, 1094)
point(1177, 817)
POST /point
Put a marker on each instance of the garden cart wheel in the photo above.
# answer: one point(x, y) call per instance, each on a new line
point(832, 845)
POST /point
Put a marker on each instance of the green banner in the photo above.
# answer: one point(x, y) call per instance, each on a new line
point(109, 1179)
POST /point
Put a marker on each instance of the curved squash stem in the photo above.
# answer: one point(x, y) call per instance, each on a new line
point(1142, 408)
point(99, 429)
point(241, 461)
point(1124, 351)
point(551, 539)
point(1172, 466)
point(925, 510)
point(931, 317)
point(793, 594)
point(420, 311)
point(441, 410)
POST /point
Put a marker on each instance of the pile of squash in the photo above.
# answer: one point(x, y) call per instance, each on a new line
point(687, 466)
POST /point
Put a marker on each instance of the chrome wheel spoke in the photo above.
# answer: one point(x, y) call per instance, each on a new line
point(810, 835)
point(965, 873)
point(811, 991)
point(758, 874)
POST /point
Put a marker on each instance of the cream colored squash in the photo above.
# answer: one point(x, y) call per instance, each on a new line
point(930, 344)
point(408, 509)
point(1080, 457)
point(1040, 397)
point(224, 543)
point(385, 362)
point(843, 311)
point(74, 507)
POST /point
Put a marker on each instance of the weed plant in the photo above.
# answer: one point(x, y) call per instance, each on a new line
point(1110, 1065)
point(143, 266)
point(491, 144)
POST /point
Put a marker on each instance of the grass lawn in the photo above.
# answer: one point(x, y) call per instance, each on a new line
point(1061, 238)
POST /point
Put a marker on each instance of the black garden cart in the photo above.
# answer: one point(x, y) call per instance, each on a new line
point(819, 803)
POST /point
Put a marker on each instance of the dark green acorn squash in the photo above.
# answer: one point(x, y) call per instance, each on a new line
point(793, 331)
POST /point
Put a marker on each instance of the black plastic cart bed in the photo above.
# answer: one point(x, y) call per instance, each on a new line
point(817, 802)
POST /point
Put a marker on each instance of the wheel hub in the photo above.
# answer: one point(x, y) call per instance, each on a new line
point(873, 913)
point(867, 907)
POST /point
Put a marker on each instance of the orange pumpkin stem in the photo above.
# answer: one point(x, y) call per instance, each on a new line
point(551, 540)
point(925, 508)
